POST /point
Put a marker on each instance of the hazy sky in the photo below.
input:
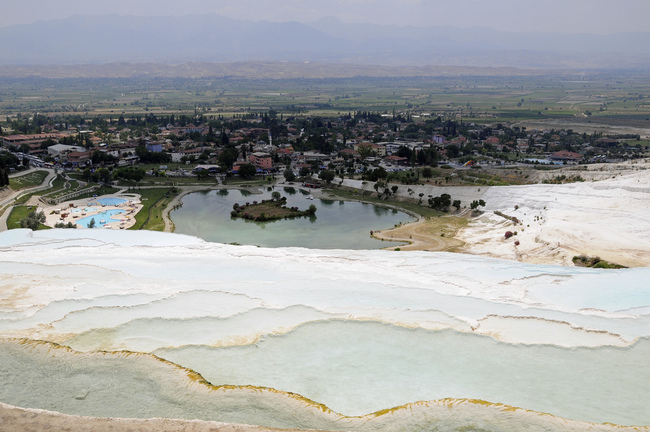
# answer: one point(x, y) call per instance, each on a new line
point(586, 16)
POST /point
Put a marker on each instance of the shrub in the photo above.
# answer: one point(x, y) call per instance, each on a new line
point(33, 220)
point(65, 225)
point(517, 243)
point(508, 234)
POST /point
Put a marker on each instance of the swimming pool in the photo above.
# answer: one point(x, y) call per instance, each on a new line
point(84, 210)
point(105, 216)
point(110, 201)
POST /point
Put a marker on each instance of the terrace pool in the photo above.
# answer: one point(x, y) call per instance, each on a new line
point(105, 216)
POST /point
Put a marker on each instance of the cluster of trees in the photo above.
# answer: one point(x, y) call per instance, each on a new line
point(4, 177)
point(427, 156)
point(134, 174)
point(105, 175)
point(102, 175)
point(7, 161)
point(65, 225)
point(443, 202)
point(247, 171)
point(33, 220)
point(147, 156)
point(476, 204)
point(377, 174)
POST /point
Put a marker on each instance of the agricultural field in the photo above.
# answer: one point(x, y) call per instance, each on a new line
point(595, 98)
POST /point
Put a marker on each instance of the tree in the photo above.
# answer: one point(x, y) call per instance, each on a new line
point(304, 171)
point(33, 220)
point(289, 175)
point(224, 138)
point(476, 204)
point(456, 204)
point(441, 202)
point(364, 150)
point(91, 224)
point(427, 173)
point(276, 196)
point(104, 175)
point(203, 174)
point(227, 157)
point(327, 176)
point(65, 225)
point(247, 171)
point(377, 174)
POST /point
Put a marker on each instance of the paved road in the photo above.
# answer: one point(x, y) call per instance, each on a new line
point(8, 199)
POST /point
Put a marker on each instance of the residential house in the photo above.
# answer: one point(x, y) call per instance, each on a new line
point(261, 160)
point(565, 156)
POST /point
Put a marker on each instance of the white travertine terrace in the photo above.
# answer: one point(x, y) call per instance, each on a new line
point(358, 331)
point(127, 320)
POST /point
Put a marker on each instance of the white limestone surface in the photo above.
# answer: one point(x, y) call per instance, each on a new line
point(276, 317)
point(607, 218)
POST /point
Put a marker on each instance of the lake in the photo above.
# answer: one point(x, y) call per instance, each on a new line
point(338, 224)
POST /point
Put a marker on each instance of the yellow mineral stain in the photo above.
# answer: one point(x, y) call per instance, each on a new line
point(196, 378)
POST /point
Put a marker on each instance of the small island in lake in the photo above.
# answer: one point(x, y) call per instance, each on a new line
point(268, 210)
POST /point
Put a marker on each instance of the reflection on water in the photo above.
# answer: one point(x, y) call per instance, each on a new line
point(348, 226)
point(290, 190)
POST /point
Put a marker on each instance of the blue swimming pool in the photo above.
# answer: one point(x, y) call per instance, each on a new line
point(103, 216)
point(84, 210)
point(110, 201)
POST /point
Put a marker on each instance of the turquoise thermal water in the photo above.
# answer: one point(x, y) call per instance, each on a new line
point(85, 209)
point(356, 368)
point(110, 201)
point(103, 216)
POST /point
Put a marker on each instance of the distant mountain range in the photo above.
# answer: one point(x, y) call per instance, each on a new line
point(212, 38)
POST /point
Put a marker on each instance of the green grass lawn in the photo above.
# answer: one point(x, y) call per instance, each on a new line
point(32, 179)
point(104, 190)
point(18, 213)
point(154, 201)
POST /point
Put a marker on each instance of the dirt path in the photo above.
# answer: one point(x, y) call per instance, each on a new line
point(427, 234)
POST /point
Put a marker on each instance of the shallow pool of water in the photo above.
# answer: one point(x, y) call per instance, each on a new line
point(110, 201)
point(357, 368)
point(337, 225)
point(84, 210)
point(103, 216)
